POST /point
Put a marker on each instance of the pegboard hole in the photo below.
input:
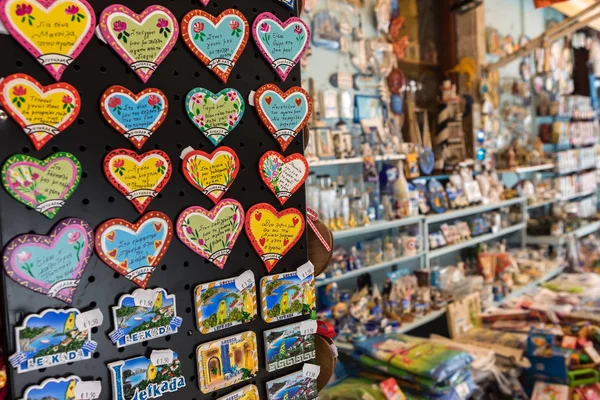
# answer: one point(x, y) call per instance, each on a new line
point(241, 144)
point(186, 264)
point(55, 148)
point(144, 344)
point(256, 55)
point(93, 304)
point(19, 63)
point(76, 67)
point(85, 201)
point(176, 97)
point(190, 332)
point(243, 166)
point(187, 287)
point(188, 310)
point(94, 330)
point(215, 5)
point(247, 254)
point(84, 174)
point(206, 262)
point(82, 148)
point(177, 122)
point(116, 275)
point(91, 279)
point(181, 194)
point(157, 146)
point(108, 147)
point(163, 267)
point(111, 199)
point(262, 188)
point(297, 142)
point(257, 77)
point(294, 79)
point(260, 144)
point(175, 73)
point(159, 196)
point(25, 150)
point(103, 69)
point(244, 188)
point(200, 145)
point(168, 338)
point(179, 146)
point(192, 378)
point(96, 355)
point(81, 121)
point(32, 232)
point(197, 74)
point(128, 71)
point(121, 350)
point(238, 77)
point(254, 10)
point(302, 246)
point(191, 356)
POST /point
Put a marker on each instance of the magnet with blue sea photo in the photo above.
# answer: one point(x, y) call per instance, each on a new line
point(289, 345)
point(69, 388)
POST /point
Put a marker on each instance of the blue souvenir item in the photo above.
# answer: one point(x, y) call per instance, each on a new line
point(144, 315)
point(290, 345)
point(69, 388)
point(437, 196)
point(288, 3)
point(397, 103)
point(298, 385)
point(423, 205)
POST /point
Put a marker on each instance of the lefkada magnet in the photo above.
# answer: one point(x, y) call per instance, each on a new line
point(134, 250)
point(212, 173)
point(218, 42)
point(282, 44)
point(226, 303)
point(135, 116)
point(212, 234)
point(139, 177)
point(290, 345)
point(52, 338)
point(300, 385)
point(288, 295)
point(284, 114)
point(53, 31)
point(226, 362)
point(142, 40)
point(216, 115)
point(44, 185)
point(53, 264)
point(142, 378)
point(283, 175)
point(69, 388)
point(42, 111)
point(273, 233)
point(249, 392)
point(144, 315)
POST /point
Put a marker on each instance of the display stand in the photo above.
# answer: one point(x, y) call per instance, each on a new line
point(95, 200)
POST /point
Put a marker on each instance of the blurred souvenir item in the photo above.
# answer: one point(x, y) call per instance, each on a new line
point(397, 102)
point(396, 81)
point(427, 157)
point(342, 80)
point(383, 12)
point(329, 102)
point(437, 196)
point(346, 105)
point(367, 107)
point(326, 30)
point(324, 142)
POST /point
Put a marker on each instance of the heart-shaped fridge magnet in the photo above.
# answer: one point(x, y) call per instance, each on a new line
point(142, 40)
point(53, 264)
point(212, 173)
point(283, 175)
point(282, 44)
point(135, 116)
point(219, 41)
point(284, 114)
point(139, 177)
point(43, 185)
point(216, 115)
point(134, 250)
point(53, 31)
point(212, 234)
point(42, 111)
point(273, 233)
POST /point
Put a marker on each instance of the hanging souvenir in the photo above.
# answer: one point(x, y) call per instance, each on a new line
point(218, 42)
point(144, 315)
point(142, 40)
point(44, 185)
point(273, 233)
point(69, 388)
point(216, 115)
point(283, 175)
point(53, 264)
point(423, 205)
point(284, 114)
point(273, 39)
point(320, 242)
point(134, 250)
point(42, 111)
point(290, 345)
point(135, 116)
point(326, 31)
point(249, 392)
point(303, 382)
point(427, 157)
point(212, 173)
point(212, 234)
point(226, 362)
point(396, 81)
point(139, 177)
point(226, 303)
point(142, 378)
point(54, 32)
point(52, 338)
point(288, 295)
point(329, 104)
point(437, 196)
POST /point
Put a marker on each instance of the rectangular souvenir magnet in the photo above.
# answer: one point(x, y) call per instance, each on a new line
point(249, 392)
point(70, 388)
point(289, 345)
point(296, 386)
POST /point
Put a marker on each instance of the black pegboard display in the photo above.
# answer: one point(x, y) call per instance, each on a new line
point(95, 200)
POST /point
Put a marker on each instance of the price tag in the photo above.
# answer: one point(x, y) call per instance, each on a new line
point(244, 280)
point(334, 349)
point(161, 357)
point(308, 327)
point(305, 270)
point(88, 390)
point(311, 371)
point(99, 34)
point(185, 152)
point(251, 98)
point(144, 298)
point(89, 320)
point(3, 29)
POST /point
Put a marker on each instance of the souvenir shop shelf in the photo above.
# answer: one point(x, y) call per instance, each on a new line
point(558, 240)
point(543, 203)
point(564, 198)
point(476, 240)
point(376, 227)
point(435, 218)
point(353, 160)
point(526, 170)
point(372, 268)
point(532, 285)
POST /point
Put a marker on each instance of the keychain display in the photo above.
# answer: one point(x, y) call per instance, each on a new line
point(283, 175)
point(135, 116)
point(273, 39)
point(144, 315)
point(52, 338)
point(226, 303)
point(141, 40)
point(44, 185)
point(218, 42)
point(216, 115)
point(226, 362)
point(139, 177)
point(53, 264)
point(69, 388)
point(42, 111)
point(54, 32)
point(289, 345)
